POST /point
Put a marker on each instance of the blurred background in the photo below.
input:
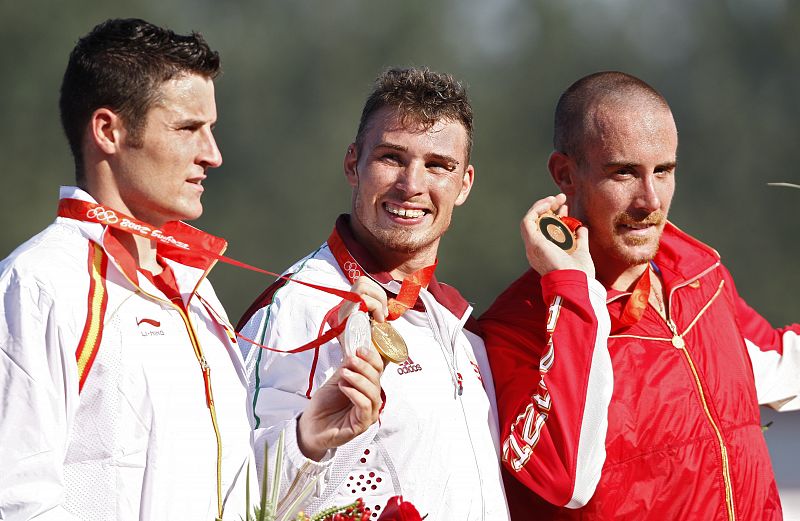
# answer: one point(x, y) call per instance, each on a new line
point(296, 74)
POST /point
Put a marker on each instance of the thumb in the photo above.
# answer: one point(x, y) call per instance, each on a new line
point(581, 253)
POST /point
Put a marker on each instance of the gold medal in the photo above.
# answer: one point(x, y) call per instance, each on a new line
point(388, 342)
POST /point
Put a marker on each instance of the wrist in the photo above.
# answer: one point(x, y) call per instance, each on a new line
point(309, 447)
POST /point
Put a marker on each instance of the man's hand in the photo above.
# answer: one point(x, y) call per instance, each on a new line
point(373, 296)
point(350, 401)
point(543, 255)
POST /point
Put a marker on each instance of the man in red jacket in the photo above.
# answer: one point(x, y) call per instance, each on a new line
point(691, 361)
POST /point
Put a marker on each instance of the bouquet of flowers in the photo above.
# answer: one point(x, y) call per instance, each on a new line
point(268, 507)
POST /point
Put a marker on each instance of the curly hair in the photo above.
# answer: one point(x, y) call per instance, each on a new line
point(422, 97)
point(121, 64)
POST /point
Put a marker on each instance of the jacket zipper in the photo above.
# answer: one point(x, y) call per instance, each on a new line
point(206, 370)
point(679, 343)
point(459, 390)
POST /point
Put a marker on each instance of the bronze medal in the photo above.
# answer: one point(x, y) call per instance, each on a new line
point(388, 342)
point(557, 232)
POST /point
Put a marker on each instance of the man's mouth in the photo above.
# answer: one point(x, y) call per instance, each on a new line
point(636, 226)
point(653, 220)
point(197, 181)
point(405, 213)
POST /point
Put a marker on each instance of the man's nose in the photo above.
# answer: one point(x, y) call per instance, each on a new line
point(210, 155)
point(648, 198)
point(412, 178)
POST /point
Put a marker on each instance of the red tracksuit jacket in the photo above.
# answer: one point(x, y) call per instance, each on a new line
point(683, 436)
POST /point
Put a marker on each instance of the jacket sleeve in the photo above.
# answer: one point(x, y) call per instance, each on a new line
point(547, 344)
point(774, 353)
point(38, 395)
point(282, 386)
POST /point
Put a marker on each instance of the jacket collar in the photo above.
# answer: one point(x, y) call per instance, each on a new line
point(190, 267)
point(447, 296)
point(681, 258)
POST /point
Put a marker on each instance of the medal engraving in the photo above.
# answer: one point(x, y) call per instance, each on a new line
point(388, 342)
point(356, 333)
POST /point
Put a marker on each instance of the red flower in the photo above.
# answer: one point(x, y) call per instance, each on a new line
point(398, 510)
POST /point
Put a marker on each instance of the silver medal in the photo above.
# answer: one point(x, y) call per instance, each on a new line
point(357, 333)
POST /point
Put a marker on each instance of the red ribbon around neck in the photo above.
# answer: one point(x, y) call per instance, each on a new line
point(637, 303)
point(96, 213)
point(409, 289)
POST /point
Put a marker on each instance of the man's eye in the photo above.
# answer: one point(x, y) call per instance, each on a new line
point(441, 167)
point(390, 158)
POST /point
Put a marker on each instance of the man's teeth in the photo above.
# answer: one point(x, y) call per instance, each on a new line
point(405, 212)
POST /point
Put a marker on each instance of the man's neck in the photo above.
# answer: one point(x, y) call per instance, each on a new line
point(142, 250)
point(619, 277)
point(397, 264)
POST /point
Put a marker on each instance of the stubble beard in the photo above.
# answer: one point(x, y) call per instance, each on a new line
point(629, 250)
point(396, 238)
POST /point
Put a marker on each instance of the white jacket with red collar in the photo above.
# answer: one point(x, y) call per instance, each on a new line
point(434, 444)
point(123, 432)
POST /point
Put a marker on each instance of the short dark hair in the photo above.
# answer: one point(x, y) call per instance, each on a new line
point(576, 102)
point(421, 96)
point(121, 64)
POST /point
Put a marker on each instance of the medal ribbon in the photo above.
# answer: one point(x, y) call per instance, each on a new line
point(95, 213)
point(409, 289)
point(637, 303)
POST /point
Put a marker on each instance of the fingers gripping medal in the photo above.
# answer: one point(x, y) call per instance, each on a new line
point(388, 342)
point(559, 230)
point(357, 333)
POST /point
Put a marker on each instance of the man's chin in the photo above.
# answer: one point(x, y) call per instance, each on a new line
point(636, 254)
point(403, 243)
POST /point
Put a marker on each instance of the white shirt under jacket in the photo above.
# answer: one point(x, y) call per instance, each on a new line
point(138, 442)
point(435, 446)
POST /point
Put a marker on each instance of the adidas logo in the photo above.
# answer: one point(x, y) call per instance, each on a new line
point(408, 367)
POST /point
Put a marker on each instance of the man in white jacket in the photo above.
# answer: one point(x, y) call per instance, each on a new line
point(435, 438)
point(122, 390)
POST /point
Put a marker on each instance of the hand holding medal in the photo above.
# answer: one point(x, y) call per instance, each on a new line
point(364, 332)
point(553, 240)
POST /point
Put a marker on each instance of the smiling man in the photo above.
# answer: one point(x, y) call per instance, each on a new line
point(691, 361)
point(435, 438)
point(122, 392)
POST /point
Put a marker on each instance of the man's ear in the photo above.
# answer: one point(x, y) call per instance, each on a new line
point(351, 165)
point(466, 185)
point(563, 170)
point(106, 130)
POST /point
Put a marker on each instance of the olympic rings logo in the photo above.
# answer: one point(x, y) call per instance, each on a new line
point(101, 214)
point(352, 269)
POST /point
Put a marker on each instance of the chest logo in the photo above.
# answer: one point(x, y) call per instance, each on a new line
point(409, 366)
point(147, 331)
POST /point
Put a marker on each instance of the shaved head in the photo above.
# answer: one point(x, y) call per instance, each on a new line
point(582, 106)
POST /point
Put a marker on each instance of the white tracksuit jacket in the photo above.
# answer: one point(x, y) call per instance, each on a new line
point(138, 441)
point(436, 447)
